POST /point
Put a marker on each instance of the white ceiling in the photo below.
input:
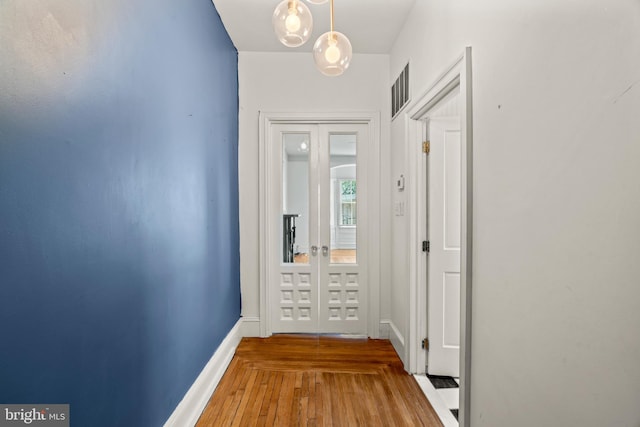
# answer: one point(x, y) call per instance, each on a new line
point(371, 25)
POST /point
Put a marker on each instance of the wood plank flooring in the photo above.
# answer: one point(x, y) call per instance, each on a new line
point(337, 256)
point(306, 380)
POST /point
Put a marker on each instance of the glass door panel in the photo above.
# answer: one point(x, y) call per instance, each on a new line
point(343, 196)
point(295, 198)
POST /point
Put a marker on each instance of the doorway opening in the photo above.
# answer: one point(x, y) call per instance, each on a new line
point(319, 284)
point(442, 113)
point(319, 209)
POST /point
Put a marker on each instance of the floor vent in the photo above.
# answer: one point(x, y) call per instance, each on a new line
point(400, 92)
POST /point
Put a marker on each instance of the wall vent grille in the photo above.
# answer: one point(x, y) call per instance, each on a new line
point(400, 92)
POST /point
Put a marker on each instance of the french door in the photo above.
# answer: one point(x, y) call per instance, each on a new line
point(317, 265)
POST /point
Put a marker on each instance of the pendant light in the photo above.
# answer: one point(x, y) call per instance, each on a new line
point(332, 51)
point(292, 22)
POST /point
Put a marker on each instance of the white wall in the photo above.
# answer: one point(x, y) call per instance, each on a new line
point(289, 82)
point(556, 298)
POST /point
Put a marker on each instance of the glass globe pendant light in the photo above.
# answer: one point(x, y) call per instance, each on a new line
point(292, 22)
point(332, 51)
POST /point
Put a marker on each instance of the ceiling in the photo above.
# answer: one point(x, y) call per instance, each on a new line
point(371, 25)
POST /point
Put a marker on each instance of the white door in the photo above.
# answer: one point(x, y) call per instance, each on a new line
point(318, 271)
point(444, 255)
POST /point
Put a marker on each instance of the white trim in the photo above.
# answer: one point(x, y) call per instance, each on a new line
point(372, 119)
point(397, 340)
point(394, 333)
point(438, 404)
point(457, 75)
point(195, 400)
point(251, 326)
point(416, 209)
point(384, 329)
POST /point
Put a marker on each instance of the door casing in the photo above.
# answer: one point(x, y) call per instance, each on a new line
point(267, 241)
point(458, 75)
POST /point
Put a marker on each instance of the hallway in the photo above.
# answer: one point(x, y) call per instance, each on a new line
point(142, 204)
point(299, 380)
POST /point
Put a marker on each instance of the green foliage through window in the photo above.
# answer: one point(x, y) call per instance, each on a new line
point(348, 202)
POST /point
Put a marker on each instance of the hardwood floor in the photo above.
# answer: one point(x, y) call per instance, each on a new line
point(338, 256)
point(306, 380)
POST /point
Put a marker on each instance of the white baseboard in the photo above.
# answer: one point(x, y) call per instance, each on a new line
point(384, 328)
point(195, 400)
point(397, 340)
point(250, 326)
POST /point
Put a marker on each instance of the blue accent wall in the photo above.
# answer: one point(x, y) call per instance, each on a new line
point(119, 257)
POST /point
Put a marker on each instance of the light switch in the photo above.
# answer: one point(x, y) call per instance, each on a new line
point(398, 208)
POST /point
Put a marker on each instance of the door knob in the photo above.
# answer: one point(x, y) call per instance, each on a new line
point(325, 250)
point(314, 250)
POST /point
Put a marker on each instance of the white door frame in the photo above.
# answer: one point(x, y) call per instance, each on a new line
point(268, 242)
point(457, 75)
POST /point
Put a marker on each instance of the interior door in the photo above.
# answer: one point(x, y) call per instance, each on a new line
point(293, 282)
point(318, 281)
point(342, 290)
point(444, 255)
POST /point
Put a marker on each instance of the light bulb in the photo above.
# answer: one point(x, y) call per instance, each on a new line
point(303, 146)
point(292, 23)
point(332, 53)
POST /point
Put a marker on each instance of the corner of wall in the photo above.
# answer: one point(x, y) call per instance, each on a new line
point(195, 400)
point(384, 329)
point(396, 338)
point(250, 326)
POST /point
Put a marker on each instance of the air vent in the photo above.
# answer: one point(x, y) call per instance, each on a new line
point(400, 92)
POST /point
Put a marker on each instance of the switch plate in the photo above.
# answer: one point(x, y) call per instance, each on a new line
point(398, 208)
